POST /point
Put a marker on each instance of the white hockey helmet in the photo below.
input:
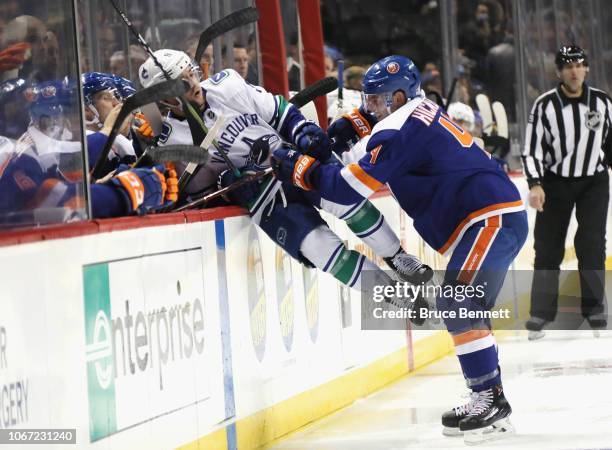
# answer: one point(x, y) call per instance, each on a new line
point(174, 63)
point(462, 113)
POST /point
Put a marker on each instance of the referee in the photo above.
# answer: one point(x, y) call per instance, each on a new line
point(564, 161)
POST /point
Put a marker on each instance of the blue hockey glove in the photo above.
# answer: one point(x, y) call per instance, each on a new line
point(244, 194)
point(311, 140)
point(292, 167)
point(145, 189)
point(350, 128)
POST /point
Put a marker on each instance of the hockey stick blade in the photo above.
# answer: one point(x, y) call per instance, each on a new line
point(484, 106)
point(167, 89)
point(501, 119)
point(225, 190)
point(316, 89)
point(234, 20)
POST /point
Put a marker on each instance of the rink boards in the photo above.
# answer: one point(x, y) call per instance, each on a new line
point(187, 330)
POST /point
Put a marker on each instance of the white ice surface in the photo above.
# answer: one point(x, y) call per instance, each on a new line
point(560, 389)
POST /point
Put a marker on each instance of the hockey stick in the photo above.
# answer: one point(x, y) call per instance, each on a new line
point(196, 125)
point(192, 168)
point(167, 89)
point(316, 89)
point(225, 190)
point(451, 92)
point(501, 119)
point(170, 153)
point(234, 20)
point(340, 88)
point(484, 106)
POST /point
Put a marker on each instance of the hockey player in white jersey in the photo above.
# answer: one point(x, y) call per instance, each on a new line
point(254, 123)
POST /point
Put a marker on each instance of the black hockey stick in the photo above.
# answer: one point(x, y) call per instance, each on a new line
point(171, 153)
point(316, 89)
point(340, 87)
point(153, 94)
point(234, 20)
point(225, 190)
point(196, 125)
point(451, 92)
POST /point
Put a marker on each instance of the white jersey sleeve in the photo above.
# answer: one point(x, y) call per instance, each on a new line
point(229, 88)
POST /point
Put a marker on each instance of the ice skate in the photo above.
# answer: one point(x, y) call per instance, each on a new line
point(450, 419)
point(487, 418)
point(408, 268)
point(535, 325)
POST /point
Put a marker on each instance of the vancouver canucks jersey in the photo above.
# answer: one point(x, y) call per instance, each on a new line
point(254, 122)
point(439, 176)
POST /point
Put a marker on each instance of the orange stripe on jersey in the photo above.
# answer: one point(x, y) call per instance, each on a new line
point(470, 336)
point(479, 250)
point(364, 178)
point(473, 216)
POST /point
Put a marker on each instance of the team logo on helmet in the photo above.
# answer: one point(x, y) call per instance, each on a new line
point(48, 91)
point(393, 67)
point(144, 73)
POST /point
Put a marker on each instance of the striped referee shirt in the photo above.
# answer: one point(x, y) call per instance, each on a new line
point(566, 135)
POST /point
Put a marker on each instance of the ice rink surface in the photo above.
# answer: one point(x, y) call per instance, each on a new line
point(560, 389)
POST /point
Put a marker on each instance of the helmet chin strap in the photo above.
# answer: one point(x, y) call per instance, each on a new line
point(96, 120)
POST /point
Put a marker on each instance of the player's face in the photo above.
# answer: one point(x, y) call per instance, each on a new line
point(104, 102)
point(572, 76)
point(376, 104)
point(194, 94)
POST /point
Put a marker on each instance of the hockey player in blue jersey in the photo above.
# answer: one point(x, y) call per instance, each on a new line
point(462, 204)
point(42, 174)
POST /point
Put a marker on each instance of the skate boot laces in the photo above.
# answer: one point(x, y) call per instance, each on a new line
point(482, 402)
point(466, 408)
point(408, 264)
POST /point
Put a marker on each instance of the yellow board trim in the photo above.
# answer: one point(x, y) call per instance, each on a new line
point(216, 440)
point(271, 424)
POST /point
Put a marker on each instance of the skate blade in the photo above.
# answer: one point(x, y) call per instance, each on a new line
point(535, 335)
point(596, 333)
point(452, 431)
point(500, 429)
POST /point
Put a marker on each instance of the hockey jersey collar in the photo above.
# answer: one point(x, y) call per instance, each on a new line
point(396, 119)
point(565, 100)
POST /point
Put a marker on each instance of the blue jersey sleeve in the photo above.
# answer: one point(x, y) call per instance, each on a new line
point(350, 184)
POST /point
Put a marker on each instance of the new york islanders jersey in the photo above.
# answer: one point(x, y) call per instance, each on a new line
point(254, 122)
point(439, 176)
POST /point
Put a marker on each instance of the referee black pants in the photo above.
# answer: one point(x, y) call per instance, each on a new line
point(590, 196)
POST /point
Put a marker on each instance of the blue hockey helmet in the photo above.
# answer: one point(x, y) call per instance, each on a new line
point(125, 87)
point(46, 100)
point(387, 76)
point(94, 82)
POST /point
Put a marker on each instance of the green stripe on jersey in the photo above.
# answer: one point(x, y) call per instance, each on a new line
point(279, 118)
point(364, 219)
point(344, 267)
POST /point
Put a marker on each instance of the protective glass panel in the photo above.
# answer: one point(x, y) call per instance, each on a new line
point(108, 44)
point(41, 157)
